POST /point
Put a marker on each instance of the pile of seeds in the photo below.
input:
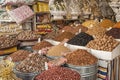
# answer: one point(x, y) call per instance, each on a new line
point(81, 58)
point(18, 55)
point(81, 39)
point(34, 63)
point(51, 35)
point(42, 44)
point(94, 31)
point(74, 29)
point(64, 35)
point(58, 73)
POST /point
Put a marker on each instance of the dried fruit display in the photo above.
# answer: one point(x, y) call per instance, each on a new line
point(114, 32)
point(81, 39)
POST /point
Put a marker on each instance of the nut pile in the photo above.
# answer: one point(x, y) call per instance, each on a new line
point(58, 73)
point(33, 63)
point(96, 31)
point(42, 44)
point(114, 32)
point(81, 58)
point(7, 42)
point(57, 50)
point(103, 42)
point(81, 39)
point(18, 56)
point(27, 35)
point(64, 35)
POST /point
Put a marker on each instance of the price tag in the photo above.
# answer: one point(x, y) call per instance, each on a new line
point(39, 40)
point(46, 66)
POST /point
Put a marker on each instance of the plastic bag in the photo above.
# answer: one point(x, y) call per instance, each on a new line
point(16, 2)
point(21, 14)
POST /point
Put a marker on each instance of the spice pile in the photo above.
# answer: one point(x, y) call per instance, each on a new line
point(117, 25)
point(57, 50)
point(74, 29)
point(58, 73)
point(90, 23)
point(103, 42)
point(42, 44)
point(114, 32)
point(7, 41)
point(81, 58)
point(33, 63)
point(27, 35)
point(51, 35)
point(81, 39)
point(94, 31)
point(18, 56)
point(106, 23)
point(64, 35)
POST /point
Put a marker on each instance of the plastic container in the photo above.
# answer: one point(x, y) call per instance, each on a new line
point(84, 70)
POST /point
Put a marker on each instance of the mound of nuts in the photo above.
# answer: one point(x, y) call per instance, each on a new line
point(7, 41)
point(58, 73)
point(19, 55)
point(103, 42)
point(81, 58)
point(27, 35)
point(33, 63)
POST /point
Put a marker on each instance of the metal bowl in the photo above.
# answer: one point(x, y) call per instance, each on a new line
point(24, 76)
point(84, 70)
point(89, 77)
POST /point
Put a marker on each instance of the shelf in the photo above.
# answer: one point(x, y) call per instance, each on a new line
point(47, 12)
point(64, 19)
point(7, 21)
point(43, 1)
point(43, 23)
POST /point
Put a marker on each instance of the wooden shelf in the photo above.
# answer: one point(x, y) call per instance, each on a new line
point(43, 23)
point(43, 1)
point(47, 12)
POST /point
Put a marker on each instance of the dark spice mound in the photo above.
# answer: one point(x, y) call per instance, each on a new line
point(58, 73)
point(114, 32)
point(81, 39)
point(81, 58)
